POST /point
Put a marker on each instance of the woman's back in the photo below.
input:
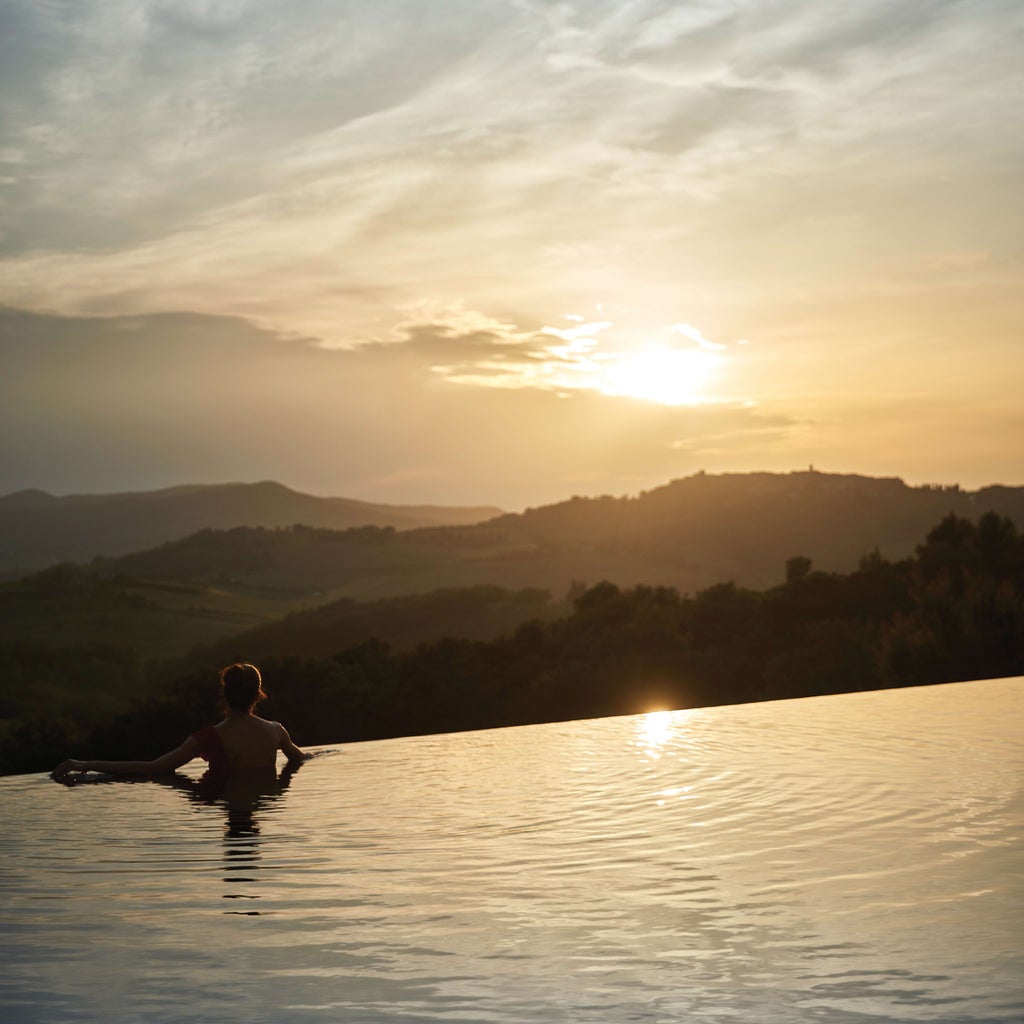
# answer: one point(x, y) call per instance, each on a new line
point(250, 742)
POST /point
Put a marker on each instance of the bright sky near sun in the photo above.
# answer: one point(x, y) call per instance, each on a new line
point(504, 251)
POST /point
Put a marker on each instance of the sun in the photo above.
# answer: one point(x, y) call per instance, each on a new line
point(668, 376)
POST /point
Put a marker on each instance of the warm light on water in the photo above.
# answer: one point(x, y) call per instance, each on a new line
point(850, 859)
point(657, 727)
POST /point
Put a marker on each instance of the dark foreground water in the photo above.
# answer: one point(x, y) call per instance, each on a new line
point(851, 859)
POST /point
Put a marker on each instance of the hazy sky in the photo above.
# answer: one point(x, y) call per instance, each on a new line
point(505, 251)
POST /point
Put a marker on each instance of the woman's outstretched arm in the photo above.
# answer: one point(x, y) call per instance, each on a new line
point(294, 754)
point(158, 766)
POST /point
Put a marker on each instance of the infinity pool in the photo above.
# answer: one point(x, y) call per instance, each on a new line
point(851, 859)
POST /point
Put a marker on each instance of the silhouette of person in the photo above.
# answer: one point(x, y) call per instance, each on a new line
point(243, 744)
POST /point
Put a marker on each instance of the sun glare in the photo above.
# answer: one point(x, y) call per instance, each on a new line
point(656, 729)
point(669, 376)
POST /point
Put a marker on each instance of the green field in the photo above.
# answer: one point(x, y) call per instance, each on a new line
point(70, 607)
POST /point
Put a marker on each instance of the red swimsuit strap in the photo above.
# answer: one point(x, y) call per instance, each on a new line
point(211, 746)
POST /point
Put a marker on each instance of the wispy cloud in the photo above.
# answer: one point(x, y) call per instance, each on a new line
point(689, 331)
point(317, 168)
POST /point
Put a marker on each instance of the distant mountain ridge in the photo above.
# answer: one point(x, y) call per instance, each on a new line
point(690, 533)
point(38, 529)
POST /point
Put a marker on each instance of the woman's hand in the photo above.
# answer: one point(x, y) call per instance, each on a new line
point(70, 765)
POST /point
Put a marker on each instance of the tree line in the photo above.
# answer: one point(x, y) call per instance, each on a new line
point(953, 611)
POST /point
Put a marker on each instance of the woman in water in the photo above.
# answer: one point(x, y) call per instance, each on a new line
point(242, 742)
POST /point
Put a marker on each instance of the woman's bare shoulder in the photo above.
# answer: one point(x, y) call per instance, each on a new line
point(276, 729)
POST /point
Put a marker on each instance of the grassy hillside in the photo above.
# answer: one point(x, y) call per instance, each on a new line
point(470, 613)
point(70, 606)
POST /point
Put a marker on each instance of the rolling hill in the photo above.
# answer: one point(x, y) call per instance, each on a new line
point(690, 533)
point(38, 530)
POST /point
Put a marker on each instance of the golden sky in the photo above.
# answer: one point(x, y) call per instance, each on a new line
point(505, 251)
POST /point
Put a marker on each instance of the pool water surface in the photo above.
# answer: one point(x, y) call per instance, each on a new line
point(853, 858)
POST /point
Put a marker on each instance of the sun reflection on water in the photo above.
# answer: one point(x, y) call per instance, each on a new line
point(655, 730)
